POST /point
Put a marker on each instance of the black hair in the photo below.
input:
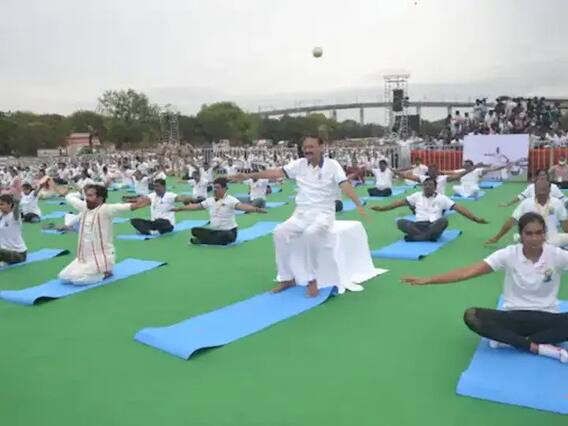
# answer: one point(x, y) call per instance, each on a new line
point(530, 217)
point(101, 191)
point(160, 182)
point(429, 179)
point(27, 185)
point(316, 137)
point(539, 171)
point(383, 162)
point(221, 181)
point(468, 161)
point(7, 198)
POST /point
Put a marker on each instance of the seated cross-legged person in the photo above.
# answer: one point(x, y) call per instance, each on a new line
point(469, 183)
point(200, 185)
point(429, 208)
point(549, 207)
point(222, 229)
point(257, 192)
point(529, 191)
point(161, 202)
point(383, 181)
point(29, 207)
point(13, 249)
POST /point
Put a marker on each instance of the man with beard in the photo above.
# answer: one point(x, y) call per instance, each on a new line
point(95, 252)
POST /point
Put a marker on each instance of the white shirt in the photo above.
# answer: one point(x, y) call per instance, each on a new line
point(221, 212)
point(441, 181)
point(199, 187)
point(470, 181)
point(161, 207)
point(257, 189)
point(96, 230)
point(429, 209)
point(553, 212)
point(529, 192)
point(207, 173)
point(11, 233)
point(141, 186)
point(420, 170)
point(383, 180)
point(28, 204)
point(317, 186)
point(530, 286)
point(231, 170)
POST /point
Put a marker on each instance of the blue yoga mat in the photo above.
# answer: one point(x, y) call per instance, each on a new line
point(489, 184)
point(259, 229)
point(56, 289)
point(412, 218)
point(56, 202)
point(120, 219)
point(276, 189)
point(54, 215)
point(275, 204)
point(479, 195)
point(230, 323)
point(509, 376)
point(36, 256)
point(395, 191)
point(186, 225)
point(415, 250)
point(350, 206)
point(52, 232)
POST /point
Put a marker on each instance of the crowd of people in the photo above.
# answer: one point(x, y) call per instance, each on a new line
point(537, 116)
point(530, 321)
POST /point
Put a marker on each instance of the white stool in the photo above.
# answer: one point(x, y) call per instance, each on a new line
point(344, 262)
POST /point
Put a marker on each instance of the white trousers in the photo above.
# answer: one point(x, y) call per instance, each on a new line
point(466, 190)
point(316, 225)
point(83, 273)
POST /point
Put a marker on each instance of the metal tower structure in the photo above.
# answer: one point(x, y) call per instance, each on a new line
point(169, 124)
point(396, 117)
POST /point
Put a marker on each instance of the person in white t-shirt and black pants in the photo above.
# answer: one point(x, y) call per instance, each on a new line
point(162, 218)
point(29, 208)
point(383, 181)
point(529, 320)
point(318, 179)
point(13, 249)
point(222, 229)
point(429, 208)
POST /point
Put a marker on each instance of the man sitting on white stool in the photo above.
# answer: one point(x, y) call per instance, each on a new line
point(317, 179)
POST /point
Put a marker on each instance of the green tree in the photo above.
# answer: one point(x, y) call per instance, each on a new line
point(128, 106)
point(225, 120)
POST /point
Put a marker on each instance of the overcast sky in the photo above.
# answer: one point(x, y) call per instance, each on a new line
point(60, 55)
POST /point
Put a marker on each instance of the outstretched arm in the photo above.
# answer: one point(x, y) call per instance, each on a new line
point(456, 176)
point(348, 190)
point(249, 208)
point(406, 175)
point(504, 229)
point(461, 274)
point(193, 206)
point(510, 203)
point(394, 205)
point(465, 212)
point(271, 174)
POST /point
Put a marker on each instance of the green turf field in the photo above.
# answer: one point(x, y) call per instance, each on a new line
point(390, 355)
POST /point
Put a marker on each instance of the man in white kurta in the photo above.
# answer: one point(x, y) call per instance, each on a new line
point(95, 252)
point(318, 179)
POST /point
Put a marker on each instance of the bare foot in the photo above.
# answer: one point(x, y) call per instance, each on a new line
point(283, 286)
point(313, 288)
point(107, 275)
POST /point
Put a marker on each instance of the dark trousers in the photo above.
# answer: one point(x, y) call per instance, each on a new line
point(422, 231)
point(338, 205)
point(518, 328)
point(31, 218)
point(213, 237)
point(60, 181)
point(146, 226)
point(375, 192)
point(562, 185)
point(12, 257)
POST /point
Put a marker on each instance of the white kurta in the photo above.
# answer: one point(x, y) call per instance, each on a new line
point(95, 251)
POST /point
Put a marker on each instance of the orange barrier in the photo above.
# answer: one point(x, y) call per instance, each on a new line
point(452, 159)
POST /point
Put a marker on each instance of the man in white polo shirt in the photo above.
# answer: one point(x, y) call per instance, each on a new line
point(162, 218)
point(434, 173)
point(429, 208)
point(529, 191)
point(383, 181)
point(222, 229)
point(199, 184)
point(318, 179)
point(550, 208)
point(469, 183)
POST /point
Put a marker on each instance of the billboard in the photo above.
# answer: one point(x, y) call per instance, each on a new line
point(498, 150)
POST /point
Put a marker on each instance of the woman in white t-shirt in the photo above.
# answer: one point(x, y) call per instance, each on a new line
point(529, 320)
point(13, 249)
